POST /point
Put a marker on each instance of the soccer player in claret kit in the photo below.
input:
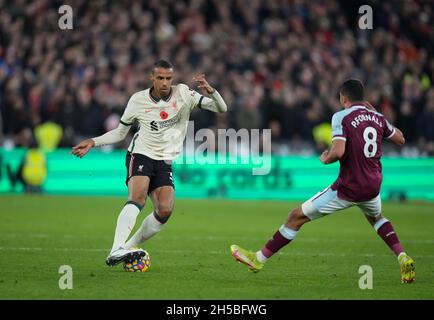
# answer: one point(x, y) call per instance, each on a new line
point(358, 131)
point(162, 113)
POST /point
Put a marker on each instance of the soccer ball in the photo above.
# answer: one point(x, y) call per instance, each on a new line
point(141, 265)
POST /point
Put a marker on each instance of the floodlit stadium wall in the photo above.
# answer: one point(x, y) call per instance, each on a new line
point(290, 178)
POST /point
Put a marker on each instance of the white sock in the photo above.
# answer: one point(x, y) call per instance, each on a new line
point(401, 254)
point(260, 257)
point(125, 224)
point(149, 227)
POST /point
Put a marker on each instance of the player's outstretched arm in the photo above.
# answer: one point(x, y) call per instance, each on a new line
point(215, 103)
point(83, 147)
point(336, 152)
point(398, 137)
point(113, 136)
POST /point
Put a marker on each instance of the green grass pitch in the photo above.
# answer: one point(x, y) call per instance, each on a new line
point(191, 258)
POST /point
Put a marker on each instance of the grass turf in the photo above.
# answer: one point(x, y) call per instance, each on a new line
point(191, 259)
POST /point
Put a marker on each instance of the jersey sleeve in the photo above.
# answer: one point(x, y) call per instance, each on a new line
point(215, 103)
point(128, 116)
point(193, 97)
point(338, 129)
point(389, 130)
point(113, 136)
point(196, 100)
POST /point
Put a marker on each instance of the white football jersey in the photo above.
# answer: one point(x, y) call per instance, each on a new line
point(163, 122)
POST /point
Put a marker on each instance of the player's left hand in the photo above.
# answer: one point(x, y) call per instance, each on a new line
point(203, 84)
point(323, 156)
point(83, 148)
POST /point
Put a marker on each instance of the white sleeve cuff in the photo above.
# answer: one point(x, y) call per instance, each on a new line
point(393, 132)
point(339, 138)
point(215, 104)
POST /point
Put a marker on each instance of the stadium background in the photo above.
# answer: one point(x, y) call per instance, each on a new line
point(278, 65)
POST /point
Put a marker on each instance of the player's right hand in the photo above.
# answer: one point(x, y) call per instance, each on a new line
point(323, 157)
point(203, 84)
point(82, 148)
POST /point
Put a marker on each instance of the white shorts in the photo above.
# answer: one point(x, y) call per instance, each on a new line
point(327, 202)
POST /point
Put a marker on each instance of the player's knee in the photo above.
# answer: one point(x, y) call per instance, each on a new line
point(373, 219)
point(164, 209)
point(139, 199)
point(295, 215)
point(162, 213)
point(296, 219)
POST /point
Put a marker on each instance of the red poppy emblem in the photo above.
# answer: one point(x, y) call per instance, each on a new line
point(163, 115)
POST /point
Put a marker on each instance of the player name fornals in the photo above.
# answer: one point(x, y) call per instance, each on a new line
point(218, 309)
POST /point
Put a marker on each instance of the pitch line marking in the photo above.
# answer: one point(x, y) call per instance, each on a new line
point(219, 252)
point(209, 238)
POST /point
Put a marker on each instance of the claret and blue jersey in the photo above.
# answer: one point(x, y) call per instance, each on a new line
point(363, 130)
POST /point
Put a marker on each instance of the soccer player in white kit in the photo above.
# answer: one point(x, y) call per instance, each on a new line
point(162, 112)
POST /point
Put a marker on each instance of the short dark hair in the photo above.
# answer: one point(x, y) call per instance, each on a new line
point(353, 90)
point(162, 64)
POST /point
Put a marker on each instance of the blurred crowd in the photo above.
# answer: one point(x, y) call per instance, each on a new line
point(278, 64)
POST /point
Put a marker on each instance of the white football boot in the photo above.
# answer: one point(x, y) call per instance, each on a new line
point(124, 255)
